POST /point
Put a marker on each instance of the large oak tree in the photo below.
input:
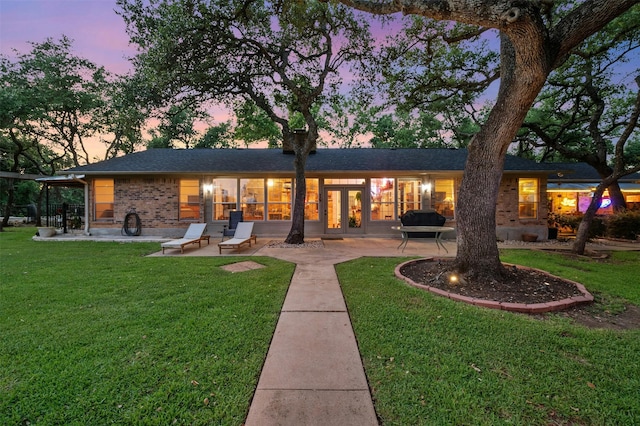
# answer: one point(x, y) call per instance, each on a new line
point(534, 40)
point(588, 102)
point(282, 57)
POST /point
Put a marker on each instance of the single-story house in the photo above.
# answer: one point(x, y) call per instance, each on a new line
point(349, 192)
point(571, 187)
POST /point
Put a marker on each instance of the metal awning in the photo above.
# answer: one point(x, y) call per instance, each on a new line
point(63, 180)
point(587, 187)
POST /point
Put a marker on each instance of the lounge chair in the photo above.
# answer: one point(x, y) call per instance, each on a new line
point(241, 237)
point(235, 217)
point(194, 235)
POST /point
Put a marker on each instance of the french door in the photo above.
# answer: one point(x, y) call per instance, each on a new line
point(343, 210)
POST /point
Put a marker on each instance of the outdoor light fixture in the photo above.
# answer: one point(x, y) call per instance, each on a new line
point(426, 187)
point(207, 188)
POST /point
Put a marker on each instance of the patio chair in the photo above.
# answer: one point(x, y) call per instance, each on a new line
point(194, 235)
point(235, 217)
point(242, 236)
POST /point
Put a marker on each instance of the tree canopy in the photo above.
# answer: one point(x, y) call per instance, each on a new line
point(283, 58)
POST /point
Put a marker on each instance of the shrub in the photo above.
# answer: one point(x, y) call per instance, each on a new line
point(568, 221)
point(624, 225)
point(596, 229)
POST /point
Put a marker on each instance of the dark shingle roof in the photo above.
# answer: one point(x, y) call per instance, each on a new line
point(181, 161)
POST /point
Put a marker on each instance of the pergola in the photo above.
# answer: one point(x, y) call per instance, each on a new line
point(67, 181)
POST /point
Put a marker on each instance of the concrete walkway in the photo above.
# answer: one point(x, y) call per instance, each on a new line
point(313, 373)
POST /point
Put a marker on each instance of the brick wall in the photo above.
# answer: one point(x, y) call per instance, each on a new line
point(155, 199)
point(507, 207)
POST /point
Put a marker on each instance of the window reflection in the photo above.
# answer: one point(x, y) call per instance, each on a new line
point(189, 199)
point(444, 197)
point(252, 199)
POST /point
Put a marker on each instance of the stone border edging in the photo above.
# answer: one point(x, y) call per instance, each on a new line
point(533, 308)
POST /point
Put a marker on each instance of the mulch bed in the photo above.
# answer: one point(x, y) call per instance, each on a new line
point(519, 285)
point(522, 285)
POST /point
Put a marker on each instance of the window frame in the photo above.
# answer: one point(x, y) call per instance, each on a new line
point(403, 199)
point(277, 209)
point(385, 188)
point(447, 208)
point(99, 214)
point(528, 205)
point(188, 204)
point(225, 205)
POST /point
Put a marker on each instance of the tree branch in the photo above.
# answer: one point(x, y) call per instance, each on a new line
point(582, 22)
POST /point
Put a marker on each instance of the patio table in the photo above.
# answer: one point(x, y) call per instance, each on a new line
point(437, 230)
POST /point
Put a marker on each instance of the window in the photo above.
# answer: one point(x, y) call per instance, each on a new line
point(443, 197)
point(311, 200)
point(104, 195)
point(409, 195)
point(528, 198)
point(382, 199)
point(189, 199)
point(252, 193)
point(279, 199)
point(225, 198)
point(331, 181)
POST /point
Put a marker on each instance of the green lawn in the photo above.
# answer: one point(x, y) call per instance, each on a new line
point(97, 333)
point(432, 361)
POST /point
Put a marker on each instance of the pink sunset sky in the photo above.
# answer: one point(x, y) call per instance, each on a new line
point(98, 34)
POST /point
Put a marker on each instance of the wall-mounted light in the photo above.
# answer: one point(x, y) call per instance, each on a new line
point(426, 187)
point(207, 188)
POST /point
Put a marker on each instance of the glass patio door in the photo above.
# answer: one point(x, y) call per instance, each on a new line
point(343, 210)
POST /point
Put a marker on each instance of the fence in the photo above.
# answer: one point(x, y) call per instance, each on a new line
point(64, 216)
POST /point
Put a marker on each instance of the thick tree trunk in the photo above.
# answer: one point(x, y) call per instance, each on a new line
point(582, 236)
point(301, 151)
point(10, 198)
point(476, 213)
point(617, 198)
point(296, 233)
point(522, 77)
point(615, 194)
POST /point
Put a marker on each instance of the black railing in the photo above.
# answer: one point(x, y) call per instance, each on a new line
point(65, 216)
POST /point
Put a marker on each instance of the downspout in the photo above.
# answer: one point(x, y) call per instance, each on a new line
point(86, 209)
point(46, 184)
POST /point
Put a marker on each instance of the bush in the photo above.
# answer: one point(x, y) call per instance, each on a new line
point(624, 225)
point(596, 229)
